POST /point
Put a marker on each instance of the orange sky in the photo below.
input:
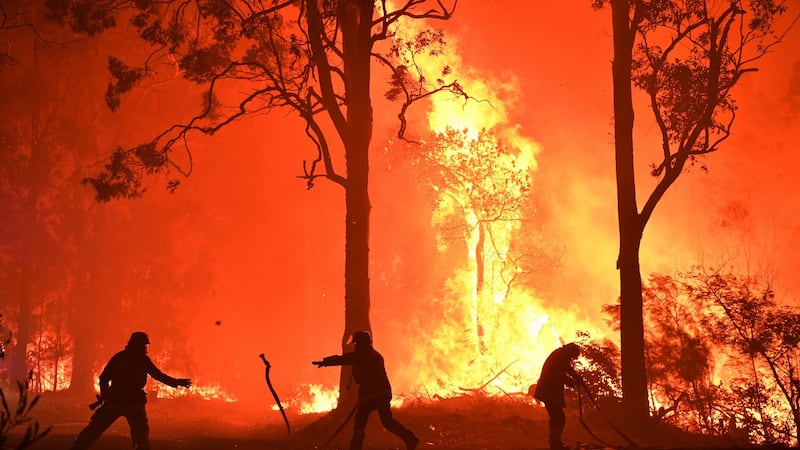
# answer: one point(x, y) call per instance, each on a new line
point(277, 249)
point(285, 244)
point(561, 57)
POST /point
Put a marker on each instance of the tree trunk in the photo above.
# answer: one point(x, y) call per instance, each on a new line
point(18, 353)
point(634, 376)
point(85, 296)
point(82, 380)
point(31, 242)
point(356, 25)
point(480, 276)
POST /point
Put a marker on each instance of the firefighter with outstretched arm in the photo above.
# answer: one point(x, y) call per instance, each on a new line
point(374, 390)
point(122, 394)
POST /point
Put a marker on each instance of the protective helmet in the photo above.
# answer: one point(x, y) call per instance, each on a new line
point(139, 338)
point(573, 349)
point(361, 338)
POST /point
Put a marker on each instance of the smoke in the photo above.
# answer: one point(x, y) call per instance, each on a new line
point(270, 253)
point(281, 272)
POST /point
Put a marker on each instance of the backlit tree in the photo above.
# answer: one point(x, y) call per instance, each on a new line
point(486, 185)
point(685, 56)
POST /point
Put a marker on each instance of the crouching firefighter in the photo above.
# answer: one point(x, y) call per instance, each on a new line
point(374, 390)
point(557, 372)
point(122, 394)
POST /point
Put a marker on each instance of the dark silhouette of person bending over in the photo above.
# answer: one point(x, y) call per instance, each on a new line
point(122, 394)
point(374, 390)
point(557, 372)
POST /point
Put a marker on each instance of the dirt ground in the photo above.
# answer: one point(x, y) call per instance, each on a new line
point(473, 422)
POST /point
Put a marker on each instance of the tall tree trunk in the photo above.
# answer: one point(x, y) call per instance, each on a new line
point(83, 335)
point(82, 380)
point(87, 293)
point(480, 276)
point(18, 353)
point(356, 24)
point(31, 242)
point(634, 376)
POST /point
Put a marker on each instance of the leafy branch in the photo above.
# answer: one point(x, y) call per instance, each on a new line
point(19, 417)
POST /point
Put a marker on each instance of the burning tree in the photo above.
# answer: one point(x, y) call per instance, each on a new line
point(479, 166)
point(686, 56)
point(722, 355)
point(766, 336)
point(312, 57)
point(679, 356)
point(485, 186)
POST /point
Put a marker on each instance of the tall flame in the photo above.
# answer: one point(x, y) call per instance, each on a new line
point(486, 330)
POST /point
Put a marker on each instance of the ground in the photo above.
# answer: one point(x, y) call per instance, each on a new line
point(470, 422)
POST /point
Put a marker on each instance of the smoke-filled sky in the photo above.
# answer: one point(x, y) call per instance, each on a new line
point(561, 58)
point(552, 65)
point(276, 249)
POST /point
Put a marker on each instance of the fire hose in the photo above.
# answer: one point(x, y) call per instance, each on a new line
point(341, 427)
point(267, 366)
point(99, 402)
point(630, 441)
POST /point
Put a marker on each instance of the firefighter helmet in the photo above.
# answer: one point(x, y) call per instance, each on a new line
point(139, 338)
point(361, 338)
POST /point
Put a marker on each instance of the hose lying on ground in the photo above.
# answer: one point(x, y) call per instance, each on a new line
point(630, 441)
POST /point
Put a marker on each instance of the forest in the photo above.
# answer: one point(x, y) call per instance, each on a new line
point(474, 182)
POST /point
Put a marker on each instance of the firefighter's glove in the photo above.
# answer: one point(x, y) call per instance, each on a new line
point(326, 361)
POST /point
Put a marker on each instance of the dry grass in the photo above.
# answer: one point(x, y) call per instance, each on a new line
point(470, 422)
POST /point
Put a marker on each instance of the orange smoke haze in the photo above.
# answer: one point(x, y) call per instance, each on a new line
point(274, 251)
point(550, 68)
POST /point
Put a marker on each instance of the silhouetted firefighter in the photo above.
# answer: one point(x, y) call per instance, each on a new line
point(374, 390)
point(557, 372)
point(122, 394)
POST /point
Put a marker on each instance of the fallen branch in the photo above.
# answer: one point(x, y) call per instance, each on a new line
point(483, 386)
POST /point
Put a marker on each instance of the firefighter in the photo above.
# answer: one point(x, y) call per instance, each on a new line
point(557, 372)
point(374, 390)
point(122, 393)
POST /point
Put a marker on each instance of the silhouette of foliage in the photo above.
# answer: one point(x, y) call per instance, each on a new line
point(124, 79)
point(91, 17)
point(280, 55)
point(722, 355)
point(679, 357)
point(685, 56)
point(120, 179)
point(599, 368)
point(20, 416)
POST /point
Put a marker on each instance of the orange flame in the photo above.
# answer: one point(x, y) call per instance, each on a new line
point(490, 335)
